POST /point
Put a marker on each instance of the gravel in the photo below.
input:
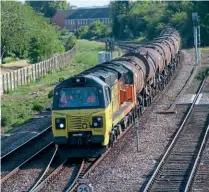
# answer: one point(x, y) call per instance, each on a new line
point(60, 181)
point(29, 173)
point(15, 159)
point(21, 134)
point(201, 179)
point(124, 169)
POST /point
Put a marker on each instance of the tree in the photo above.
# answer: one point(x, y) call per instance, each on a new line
point(118, 9)
point(95, 30)
point(48, 8)
point(202, 7)
point(13, 26)
point(70, 42)
point(147, 18)
point(20, 27)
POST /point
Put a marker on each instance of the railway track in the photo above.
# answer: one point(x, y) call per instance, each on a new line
point(200, 182)
point(12, 161)
point(86, 172)
point(69, 172)
point(66, 172)
point(176, 169)
point(23, 177)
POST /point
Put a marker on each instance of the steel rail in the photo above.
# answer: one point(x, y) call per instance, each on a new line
point(95, 164)
point(149, 184)
point(11, 173)
point(98, 161)
point(56, 171)
point(46, 170)
point(194, 168)
point(77, 176)
point(25, 143)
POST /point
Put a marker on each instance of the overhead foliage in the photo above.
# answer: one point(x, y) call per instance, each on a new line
point(21, 27)
point(148, 18)
point(48, 8)
point(95, 30)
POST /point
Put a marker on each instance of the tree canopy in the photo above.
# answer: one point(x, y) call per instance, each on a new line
point(148, 18)
point(48, 8)
point(95, 30)
point(27, 34)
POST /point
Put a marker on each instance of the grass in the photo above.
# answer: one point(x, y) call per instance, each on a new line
point(21, 104)
point(205, 49)
point(202, 73)
point(9, 60)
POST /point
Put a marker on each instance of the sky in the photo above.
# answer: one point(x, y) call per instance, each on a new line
point(88, 3)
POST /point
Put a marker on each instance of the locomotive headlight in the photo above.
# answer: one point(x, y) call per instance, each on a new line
point(99, 118)
point(97, 122)
point(60, 123)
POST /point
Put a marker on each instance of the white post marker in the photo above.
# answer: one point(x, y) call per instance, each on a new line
point(137, 132)
point(84, 186)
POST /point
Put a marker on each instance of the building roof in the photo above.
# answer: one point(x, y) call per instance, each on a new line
point(89, 13)
point(59, 17)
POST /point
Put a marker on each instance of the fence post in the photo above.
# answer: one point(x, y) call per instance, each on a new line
point(5, 82)
point(15, 78)
point(39, 70)
point(21, 77)
point(44, 67)
point(8, 82)
point(25, 74)
point(2, 84)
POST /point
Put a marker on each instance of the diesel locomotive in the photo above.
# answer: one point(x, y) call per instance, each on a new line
point(90, 110)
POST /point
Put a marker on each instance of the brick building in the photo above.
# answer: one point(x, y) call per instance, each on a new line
point(75, 18)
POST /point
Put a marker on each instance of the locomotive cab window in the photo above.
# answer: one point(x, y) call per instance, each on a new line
point(78, 97)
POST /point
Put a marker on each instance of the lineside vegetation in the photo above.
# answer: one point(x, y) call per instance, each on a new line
point(20, 105)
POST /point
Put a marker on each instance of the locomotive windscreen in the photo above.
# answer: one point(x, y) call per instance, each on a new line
point(78, 97)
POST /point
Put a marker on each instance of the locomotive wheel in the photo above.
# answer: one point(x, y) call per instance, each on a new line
point(149, 101)
point(112, 139)
point(123, 126)
point(119, 130)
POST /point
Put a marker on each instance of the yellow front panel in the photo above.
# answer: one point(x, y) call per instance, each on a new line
point(76, 118)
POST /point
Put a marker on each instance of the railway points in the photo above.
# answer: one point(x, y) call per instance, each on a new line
point(46, 178)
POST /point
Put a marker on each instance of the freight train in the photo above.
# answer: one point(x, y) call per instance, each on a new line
point(90, 110)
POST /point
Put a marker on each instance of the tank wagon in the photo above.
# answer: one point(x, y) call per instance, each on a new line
point(90, 110)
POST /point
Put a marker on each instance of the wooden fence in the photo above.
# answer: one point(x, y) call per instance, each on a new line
point(33, 72)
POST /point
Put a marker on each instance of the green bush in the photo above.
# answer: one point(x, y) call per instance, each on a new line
point(95, 30)
point(5, 120)
point(201, 75)
point(50, 94)
point(27, 33)
point(9, 59)
point(70, 42)
point(61, 79)
point(38, 107)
